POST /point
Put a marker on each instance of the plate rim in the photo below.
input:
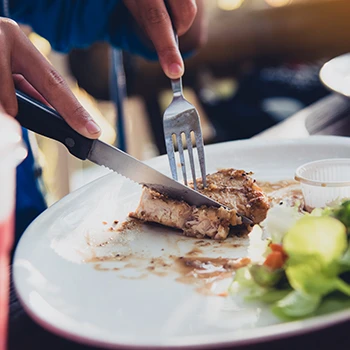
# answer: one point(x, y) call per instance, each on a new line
point(275, 332)
point(261, 334)
point(329, 65)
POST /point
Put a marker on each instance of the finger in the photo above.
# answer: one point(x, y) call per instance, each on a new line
point(8, 100)
point(153, 16)
point(22, 85)
point(183, 13)
point(48, 82)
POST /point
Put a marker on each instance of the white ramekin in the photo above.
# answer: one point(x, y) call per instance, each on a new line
point(324, 181)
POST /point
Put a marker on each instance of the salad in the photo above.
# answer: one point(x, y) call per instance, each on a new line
point(306, 266)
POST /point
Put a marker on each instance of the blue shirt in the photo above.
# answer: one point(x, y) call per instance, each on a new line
point(68, 24)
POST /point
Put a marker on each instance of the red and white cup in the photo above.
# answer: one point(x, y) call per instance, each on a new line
point(12, 152)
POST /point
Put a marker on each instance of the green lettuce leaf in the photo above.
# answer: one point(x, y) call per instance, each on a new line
point(338, 210)
point(309, 278)
point(322, 238)
point(266, 277)
point(333, 303)
point(315, 278)
point(245, 285)
point(344, 261)
point(342, 213)
point(291, 308)
point(315, 246)
point(296, 305)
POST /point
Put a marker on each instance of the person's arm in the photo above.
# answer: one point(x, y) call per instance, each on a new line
point(71, 24)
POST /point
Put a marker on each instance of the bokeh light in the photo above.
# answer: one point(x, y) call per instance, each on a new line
point(278, 3)
point(229, 5)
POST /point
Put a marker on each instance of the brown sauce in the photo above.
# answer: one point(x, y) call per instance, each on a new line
point(202, 243)
point(203, 272)
point(195, 252)
point(194, 268)
point(109, 258)
point(269, 187)
point(285, 191)
point(99, 267)
point(140, 277)
point(230, 242)
point(204, 267)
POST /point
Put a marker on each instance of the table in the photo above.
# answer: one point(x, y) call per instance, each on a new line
point(328, 116)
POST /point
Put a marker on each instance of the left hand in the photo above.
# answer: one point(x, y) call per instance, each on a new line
point(153, 17)
point(23, 67)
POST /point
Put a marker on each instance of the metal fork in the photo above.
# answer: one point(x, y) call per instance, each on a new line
point(181, 117)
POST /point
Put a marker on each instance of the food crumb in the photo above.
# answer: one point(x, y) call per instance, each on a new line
point(223, 294)
point(115, 222)
point(104, 222)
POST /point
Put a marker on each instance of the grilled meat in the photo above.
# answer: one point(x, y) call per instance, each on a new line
point(234, 189)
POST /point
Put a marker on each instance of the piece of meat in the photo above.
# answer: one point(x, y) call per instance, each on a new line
point(237, 190)
point(232, 188)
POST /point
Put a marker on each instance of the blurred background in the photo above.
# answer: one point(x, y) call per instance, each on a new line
point(259, 66)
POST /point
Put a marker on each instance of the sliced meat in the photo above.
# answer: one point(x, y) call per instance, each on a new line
point(233, 188)
point(196, 222)
point(236, 189)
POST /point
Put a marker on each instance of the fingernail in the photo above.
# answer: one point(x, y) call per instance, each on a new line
point(92, 127)
point(175, 70)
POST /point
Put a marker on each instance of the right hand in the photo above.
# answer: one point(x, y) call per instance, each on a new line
point(23, 67)
point(153, 17)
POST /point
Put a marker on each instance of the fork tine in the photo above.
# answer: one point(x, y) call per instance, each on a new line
point(171, 155)
point(190, 156)
point(182, 157)
point(200, 151)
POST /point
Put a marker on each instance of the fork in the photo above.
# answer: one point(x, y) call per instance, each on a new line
point(181, 117)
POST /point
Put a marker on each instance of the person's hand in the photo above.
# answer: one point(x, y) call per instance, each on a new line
point(23, 67)
point(153, 17)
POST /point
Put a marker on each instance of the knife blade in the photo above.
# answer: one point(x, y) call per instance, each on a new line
point(122, 163)
point(45, 121)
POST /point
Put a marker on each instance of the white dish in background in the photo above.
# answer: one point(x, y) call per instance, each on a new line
point(335, 74)
point(135, 307)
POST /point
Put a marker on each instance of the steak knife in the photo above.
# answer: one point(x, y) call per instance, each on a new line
point(45, 121)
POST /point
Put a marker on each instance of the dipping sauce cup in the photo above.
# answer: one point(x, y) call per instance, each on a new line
point(324, 181)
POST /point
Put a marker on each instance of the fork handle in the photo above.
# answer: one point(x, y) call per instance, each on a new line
point(176, 84)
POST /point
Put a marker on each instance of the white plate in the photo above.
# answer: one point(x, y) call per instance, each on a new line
point(136, 307)
point(335, 74)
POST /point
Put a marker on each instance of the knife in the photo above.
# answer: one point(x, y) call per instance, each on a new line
point(45, 121)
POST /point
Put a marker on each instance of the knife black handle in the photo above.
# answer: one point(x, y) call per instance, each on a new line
point(45, 121)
